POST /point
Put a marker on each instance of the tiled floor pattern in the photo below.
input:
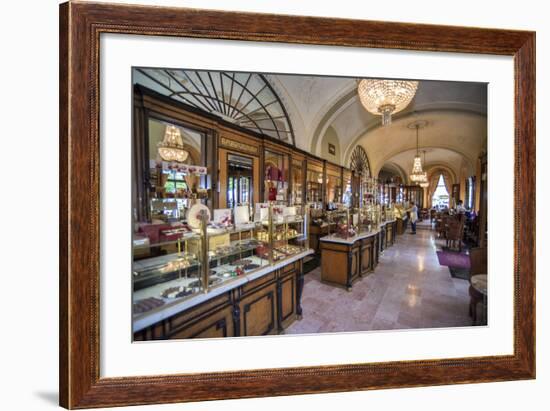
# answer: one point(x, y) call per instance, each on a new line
point(408, 289)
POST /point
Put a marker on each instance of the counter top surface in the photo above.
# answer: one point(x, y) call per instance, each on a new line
point(333, 238)
point(147, 319)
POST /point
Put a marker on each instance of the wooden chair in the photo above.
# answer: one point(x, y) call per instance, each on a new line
point(455, 232)
point(439, 229)
point(478, 260)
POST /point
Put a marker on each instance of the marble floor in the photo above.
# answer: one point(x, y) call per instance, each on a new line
point(408, 289)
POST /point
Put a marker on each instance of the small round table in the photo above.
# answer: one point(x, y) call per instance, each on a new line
point(478, 294)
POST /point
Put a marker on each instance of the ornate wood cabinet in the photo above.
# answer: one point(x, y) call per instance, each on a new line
point(367, 255)
point(341, 263)
point(391, 231)
point(266, 305)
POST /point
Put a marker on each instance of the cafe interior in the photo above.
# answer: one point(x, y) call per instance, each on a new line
point(272, 204)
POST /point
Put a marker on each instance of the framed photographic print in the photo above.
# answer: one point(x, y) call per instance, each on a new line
point(248, 201)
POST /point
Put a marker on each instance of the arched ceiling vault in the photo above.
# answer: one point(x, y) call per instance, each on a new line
point(452, 138)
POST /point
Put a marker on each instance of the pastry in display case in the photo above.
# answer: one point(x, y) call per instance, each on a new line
point(229, 258)
point(288, 230)
point(336, 217)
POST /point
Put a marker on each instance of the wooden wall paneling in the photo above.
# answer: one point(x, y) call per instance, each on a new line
point(299, 288)
point(212, 162)
point(298, 160)
point(286, 300)
point(221, 193)
point(140, 163)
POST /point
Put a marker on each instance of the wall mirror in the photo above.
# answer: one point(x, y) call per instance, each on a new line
point(173, 190)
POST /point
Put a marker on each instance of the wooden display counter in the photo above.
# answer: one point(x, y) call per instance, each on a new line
point(345, 260)
point(265, 302)
point(400, 226)
point(316, 232)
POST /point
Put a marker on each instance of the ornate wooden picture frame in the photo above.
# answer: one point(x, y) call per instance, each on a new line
point(81, 25)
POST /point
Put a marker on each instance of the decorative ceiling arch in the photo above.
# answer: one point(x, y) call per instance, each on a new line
point(335, 109)
point(435, 155)
point(245, 99)
point(359, 162)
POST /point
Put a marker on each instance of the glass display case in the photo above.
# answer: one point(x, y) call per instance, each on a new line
point(176, 261)
point(314, 186)
point(287, 228)
point(347, 196)
point(237, 251)
point(334, 189)
point(340, 222)
point(369, 218)
point(167, 266)
point(368, 191)
point(296, 196)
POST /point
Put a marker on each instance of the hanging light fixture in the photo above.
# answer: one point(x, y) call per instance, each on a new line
point(425, 184)
point(418, 175)
point(386, 97)
point(171, 147)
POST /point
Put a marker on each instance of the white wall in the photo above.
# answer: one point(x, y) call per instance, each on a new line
point(29, 279)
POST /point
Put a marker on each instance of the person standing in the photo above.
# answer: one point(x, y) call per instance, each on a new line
point(460, 209)
point(413, 210)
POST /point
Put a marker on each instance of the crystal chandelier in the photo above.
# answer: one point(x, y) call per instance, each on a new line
point(171, 147)
point(418, 175)
point(425, 184)
point(386, 97)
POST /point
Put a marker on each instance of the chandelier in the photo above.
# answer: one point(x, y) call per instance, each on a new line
point(425, 184)
point(418, 175)
point(386, 97)
point(171, 147)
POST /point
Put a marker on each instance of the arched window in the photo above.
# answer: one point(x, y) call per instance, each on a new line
point(359, 162)
point(441, 195)
point(244, 99)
